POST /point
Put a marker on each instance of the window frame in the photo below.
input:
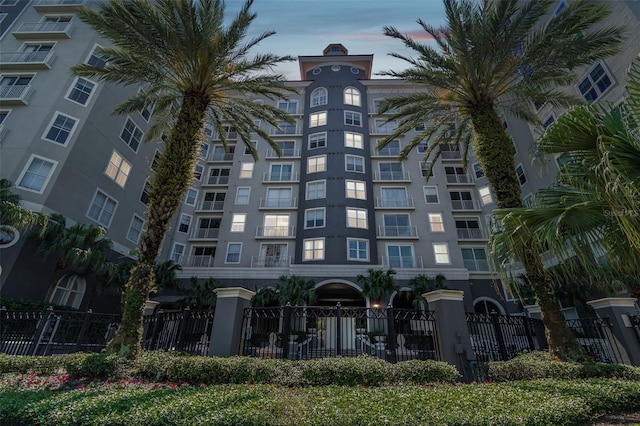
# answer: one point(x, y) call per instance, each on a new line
point(351, 96)
point(132, 134)
point(238, 253)
point(358, 249)
point(181, 223)
point(70, 132)
point(355, 191)
point(323, 210)
point(322, 100)
point(353, 140)
point(322, 182)
point(107, 198)
point(436, 226)
point(483, 197)
point(246, 170)
point(248, 188)
point(357, 222)
point(437, 195)
point(317, 119)
point(437, 253)
point(238, 222)
point(137, 240)
point(313, 249)
point(350, 118)
point(360, 158)
point(25, 169)
point(317, 140)
point(195, 198)
point(72, 88)
point(118, 168)
point(317, 164)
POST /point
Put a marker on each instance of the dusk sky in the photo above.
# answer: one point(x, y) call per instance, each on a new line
point(306, 27)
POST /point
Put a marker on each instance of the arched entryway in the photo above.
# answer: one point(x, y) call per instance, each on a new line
point(329, 293)
point(487, 305)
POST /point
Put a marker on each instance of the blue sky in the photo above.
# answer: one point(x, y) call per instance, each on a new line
point(306, 27)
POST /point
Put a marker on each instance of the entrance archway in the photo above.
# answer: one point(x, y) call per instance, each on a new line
point(329, 293)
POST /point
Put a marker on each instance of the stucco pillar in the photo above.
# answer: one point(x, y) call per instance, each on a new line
point(534, 311)
point(149, 307)
point(452, 331)
point(226, 329)
point(617, 311)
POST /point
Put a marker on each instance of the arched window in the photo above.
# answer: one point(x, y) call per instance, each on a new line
point(486, 305)
point(319, 97)
point(69, 291)
point(352, 96)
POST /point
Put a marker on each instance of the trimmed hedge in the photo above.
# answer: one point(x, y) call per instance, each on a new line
point(537, 365)
point(80, 365)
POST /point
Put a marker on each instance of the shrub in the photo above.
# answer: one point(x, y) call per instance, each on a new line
point(95, 365)
point(30, 364)
point(347, 371)
point(421, 372)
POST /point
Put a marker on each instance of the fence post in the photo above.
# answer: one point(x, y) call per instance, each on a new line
point(338, 329)
point(527, 330)
point(83, 330)
point(157, 328)
point(226, 330)
point(495, 320)
point(392, 339)
point(40, 330)
point(286, 331)
point(184, 325)
point(618, 310)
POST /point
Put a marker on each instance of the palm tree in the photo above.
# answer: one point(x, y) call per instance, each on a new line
point(591, 211)
point(264, 297)
point(499, 55)
point(421, 284)
point(296, 291)
point(12, 214)
point(378, 284)
point(191, 66)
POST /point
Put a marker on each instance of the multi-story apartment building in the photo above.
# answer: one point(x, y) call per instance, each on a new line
point(330, 208)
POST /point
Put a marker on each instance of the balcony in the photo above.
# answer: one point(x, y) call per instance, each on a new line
point(26, 60)
point(391, 176)
point(205, 234)
point(275, 232)
point(455, 179)
point(283, 177)
point(43, 31)
point(384, 203)
point(286, 130)
point(451, 155)
point(470, 234)
point(270, 262)
point(221, 157)
point(58, 6)
point(278, 204)
point(463, 205)
point(211, 206)
point(286, 153)
point(402, 262)
point(385, 153)
point(15, 95)
point(204, 261)
point(217, 180)
point(397, 232)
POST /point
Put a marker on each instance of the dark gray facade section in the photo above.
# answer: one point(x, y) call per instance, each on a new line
point(12, 12)
point(335, 79)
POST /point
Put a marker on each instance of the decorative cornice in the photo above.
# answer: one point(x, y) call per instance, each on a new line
point(236, 292)
point(437, 295)
point(613, 302)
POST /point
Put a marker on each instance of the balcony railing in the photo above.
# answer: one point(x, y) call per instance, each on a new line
point(15, 95)
point(286, 130)
point(26, 60)
point(394, 204)
point(281, 177)
point(393, 152)
point(450, 155)
point(463, 205)
point(221, 157)
point(212, 205)
point(453, 178)
point(48, 30)
point(205, 233)
point(392, 176)
point(397, 232)
point(286, 153)
point(383, 129)
point(270, 261)
point(402, 262)
point(267, 203)
point(476, 265)
point(276, 231)
point(218, 180)
point(470, 234)
point(58, 6)
point(204, 261)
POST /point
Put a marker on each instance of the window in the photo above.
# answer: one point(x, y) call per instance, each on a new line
point(461, 200)
point(288, 148)
point(276, 225)
point(317, 140)
point(357, 249)
point(285, 128)
point(450, 151)
point(382, 126)
point(102, 208)
point(221, 154)
point(3, 115)
point(36, 175)
point(273, 255)
point(422, 146)
point(397, 225)
point(435, 222)
point(354, 163)
point(314, 218)
point(81, 90)
point(441, 253)
point(424, 168)
point(316, 189)
point(144, 197)
point(394, 197)
point(237, 222)
point(204, 150)
point(230, 132)
point(208, 129)
point(377, 107)
point(60, 129)
point(185, 222)
point(317, 164)
point(208, 228)
point(355, 189)
point(522, 178)
point(281, 172)
point(353, 140)
point(549, 121)
point(468, 228)
point(485, 195)
point(192, 196)
point(14, 86)
point(527, 201)
point(392, 149)
point(197, 172)
point(135, 229)
point(118, 169)
point(218, 176)
point(247, 150)
point(595, 83)
point(146, 112)
point(313, 249)
point(96, 58)
point(213, 201)
point(431, 195)
point(391, 171)
point(35, 52)
point(353, 118)
point(177, 252)
point(352, 96)
point(290, 107)
point(400, 256)
point(279, 197)
point(246, 170)
point(131, 135)
point(242, 195)
point(318, 119)
point(477, 170)
point(475, 259)
point(233, 253)
point(202, 256)
point(456, 174)
point(319, 97)
point(356, 218)
point(69, 291)
point(154, 162)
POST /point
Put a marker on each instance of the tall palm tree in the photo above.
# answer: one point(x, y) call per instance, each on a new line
point(191, 66)
point(492, 56)
point(592, 209)
point(377, 284)
point(296, 291)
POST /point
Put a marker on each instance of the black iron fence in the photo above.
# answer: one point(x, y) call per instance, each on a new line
point(54, 332)
point(316, 332)
point(184, 331)
point(497, 337)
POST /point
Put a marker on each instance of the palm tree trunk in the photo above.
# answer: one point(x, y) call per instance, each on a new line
point(173, 176)
point(495, 151)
